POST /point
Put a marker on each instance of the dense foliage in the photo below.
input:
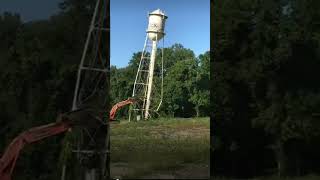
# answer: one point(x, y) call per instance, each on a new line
point(39, 61)
point(266, 90)
point(186, 82)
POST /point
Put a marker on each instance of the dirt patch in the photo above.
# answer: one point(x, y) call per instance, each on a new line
point(118, 170)
point(188, 171)
point(159, 176)
point(195, 132)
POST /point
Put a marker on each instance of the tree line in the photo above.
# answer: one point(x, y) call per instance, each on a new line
point(265, 88)
point(186, 82)
point(39, 62)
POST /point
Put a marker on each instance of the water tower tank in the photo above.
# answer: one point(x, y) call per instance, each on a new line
point(156, 25)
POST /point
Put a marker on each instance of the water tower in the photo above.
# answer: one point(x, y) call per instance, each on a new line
point(148, 84)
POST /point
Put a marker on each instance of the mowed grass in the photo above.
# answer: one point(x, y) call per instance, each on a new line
point(307, 177)
point(160, 145)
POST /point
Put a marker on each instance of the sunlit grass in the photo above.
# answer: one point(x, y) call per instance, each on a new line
point(160, 144)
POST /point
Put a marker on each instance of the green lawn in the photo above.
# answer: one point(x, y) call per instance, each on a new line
point(161, 148)
point(308, 177)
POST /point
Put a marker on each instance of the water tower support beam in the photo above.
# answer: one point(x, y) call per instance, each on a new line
point(150, 78)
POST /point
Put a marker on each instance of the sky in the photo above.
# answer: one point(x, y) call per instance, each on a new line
point(31, 10)
point(188, 23)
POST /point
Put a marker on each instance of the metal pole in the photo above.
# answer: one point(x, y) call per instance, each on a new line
point(135, 81)
point(161, 95)
point(142, 54)
point(74, 103)
point(63, 172)
point(150, 78)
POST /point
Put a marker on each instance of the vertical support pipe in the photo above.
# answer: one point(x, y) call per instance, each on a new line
point(161, 95)
point(150, 78)
point(63, 175)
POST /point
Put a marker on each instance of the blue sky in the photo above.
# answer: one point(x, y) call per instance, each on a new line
point(31, 9)
point(188, 23)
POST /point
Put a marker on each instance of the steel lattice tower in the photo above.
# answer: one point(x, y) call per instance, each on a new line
point(148, 84)
point(91, 98)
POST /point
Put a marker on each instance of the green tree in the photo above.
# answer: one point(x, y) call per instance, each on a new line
point(200, 94)
point(179, 83)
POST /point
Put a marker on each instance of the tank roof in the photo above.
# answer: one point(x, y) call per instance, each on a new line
point(158, 12)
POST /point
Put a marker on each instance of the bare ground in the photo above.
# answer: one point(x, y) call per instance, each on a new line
point(187, 171)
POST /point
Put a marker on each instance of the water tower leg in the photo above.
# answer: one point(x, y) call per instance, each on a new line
point(150, 78)
point(63, 175)
point(90, 174)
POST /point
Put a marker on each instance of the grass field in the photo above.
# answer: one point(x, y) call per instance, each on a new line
point(308, 177)
point(161, 149)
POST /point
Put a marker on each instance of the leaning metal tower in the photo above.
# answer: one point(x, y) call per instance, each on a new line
point(148, 84)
